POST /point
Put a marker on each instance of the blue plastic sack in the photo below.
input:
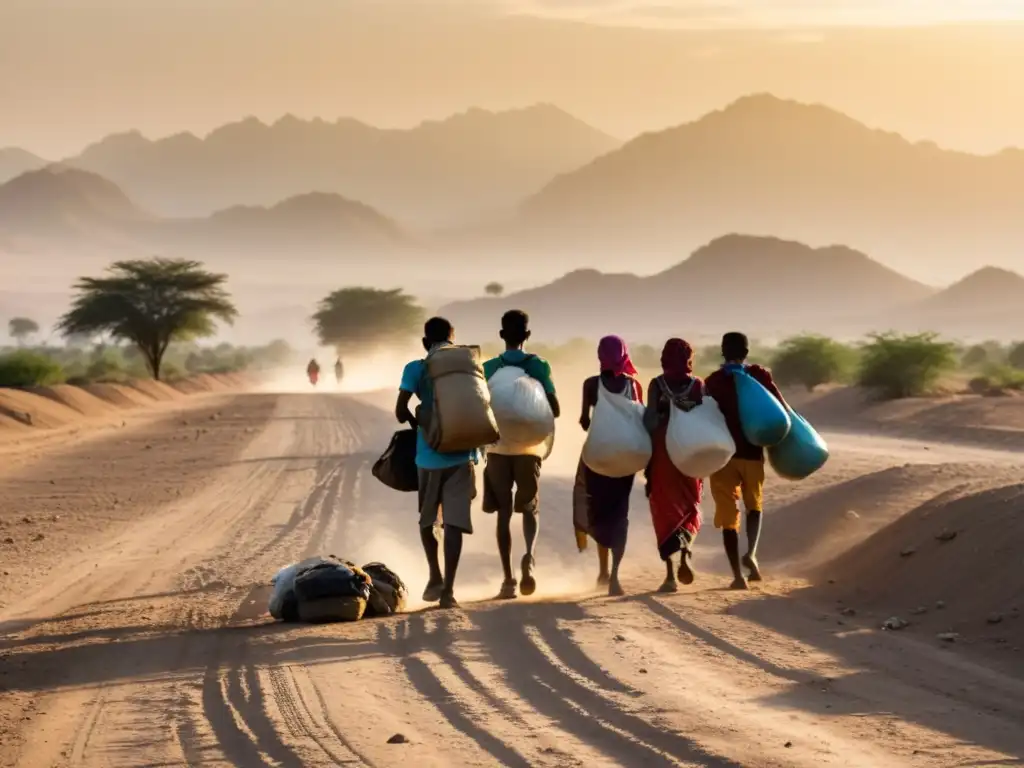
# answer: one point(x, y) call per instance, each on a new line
point(801, 454)
point(765, 421)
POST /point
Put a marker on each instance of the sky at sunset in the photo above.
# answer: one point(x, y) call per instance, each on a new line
point(776, 12)
point(73, 71)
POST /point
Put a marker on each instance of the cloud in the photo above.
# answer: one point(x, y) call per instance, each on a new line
point(772, 13)
point(697, 13)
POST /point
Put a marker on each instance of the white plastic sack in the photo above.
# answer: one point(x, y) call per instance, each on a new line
point(541, 450)
point(698, 440)
point(617, 443)
point(520, 407)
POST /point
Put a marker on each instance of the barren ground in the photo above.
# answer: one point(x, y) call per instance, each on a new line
point(136, 555)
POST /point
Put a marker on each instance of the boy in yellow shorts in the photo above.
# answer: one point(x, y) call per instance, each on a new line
point(743, 477)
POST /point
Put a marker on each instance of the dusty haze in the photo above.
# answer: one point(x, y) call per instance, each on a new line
point(118, 65)
point(651, 169)
point(441, 146)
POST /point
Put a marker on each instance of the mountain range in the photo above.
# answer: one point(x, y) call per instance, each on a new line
point(14, 162)
point(807, 172)
point(457, 170)
point(767, 286)
point(597, 213)
point(538, 189)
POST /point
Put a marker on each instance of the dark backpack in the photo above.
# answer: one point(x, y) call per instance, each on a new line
point(396, 467)
point(330, 580)
point(388, 593)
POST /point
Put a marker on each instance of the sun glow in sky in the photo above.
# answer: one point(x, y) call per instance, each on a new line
point(730, 13)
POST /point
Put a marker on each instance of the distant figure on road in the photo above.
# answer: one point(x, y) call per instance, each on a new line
point(339, 371)
point(313, 371)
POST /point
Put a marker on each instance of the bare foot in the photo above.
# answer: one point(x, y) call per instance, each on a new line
point(508, 590)
point(686, 574)
point(527, 584)
point(739, 583)
point(603, 579)
point(615, 589)
point(750, 563)
point(668, 585)
point(448, 601)
point(433, 591)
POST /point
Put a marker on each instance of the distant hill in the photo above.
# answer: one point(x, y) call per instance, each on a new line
point(55, 202)
point(64, 206)
point(985, 304)
point(14, 162)
point(762, 284)
point(807, 172)
point(312, 223)
point(468, 166)
point(982, 291)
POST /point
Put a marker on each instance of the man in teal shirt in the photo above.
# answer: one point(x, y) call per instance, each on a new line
point(446, 480)
point(512, 482)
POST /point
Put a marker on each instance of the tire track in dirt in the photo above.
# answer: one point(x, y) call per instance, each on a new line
point(310, 720)
point(241, 723)
point(547, 686)
point(80, 742)
point(555, 678)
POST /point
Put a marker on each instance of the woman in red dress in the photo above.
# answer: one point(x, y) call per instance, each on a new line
point(674, 497)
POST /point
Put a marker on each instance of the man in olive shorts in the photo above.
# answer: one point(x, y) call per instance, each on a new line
point(512, 481)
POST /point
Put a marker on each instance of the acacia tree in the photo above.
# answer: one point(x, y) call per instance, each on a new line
point(20, 328)
point(494, 289)
point(150, 303)
point(353, 319)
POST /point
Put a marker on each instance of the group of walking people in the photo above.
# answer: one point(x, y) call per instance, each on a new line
point(313, 371)
point(601, 504)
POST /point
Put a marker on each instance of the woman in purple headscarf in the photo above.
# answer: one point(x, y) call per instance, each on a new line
point(600, 503)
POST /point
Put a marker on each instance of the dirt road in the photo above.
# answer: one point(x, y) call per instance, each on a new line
point(142, 640)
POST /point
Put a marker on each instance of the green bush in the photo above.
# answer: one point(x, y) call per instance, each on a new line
point(975, 357)
point(985, 354)
point(107, 365)
point(905, 366)
point(1016, 357)
point(996, 379)
point(811, 361)
point(29, 369)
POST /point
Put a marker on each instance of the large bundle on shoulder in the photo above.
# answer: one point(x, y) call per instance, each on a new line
point(521, 410)
point(765, 421)
point(801, 453)
point(460, 417)
point(698, 440)
point(617, 444)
